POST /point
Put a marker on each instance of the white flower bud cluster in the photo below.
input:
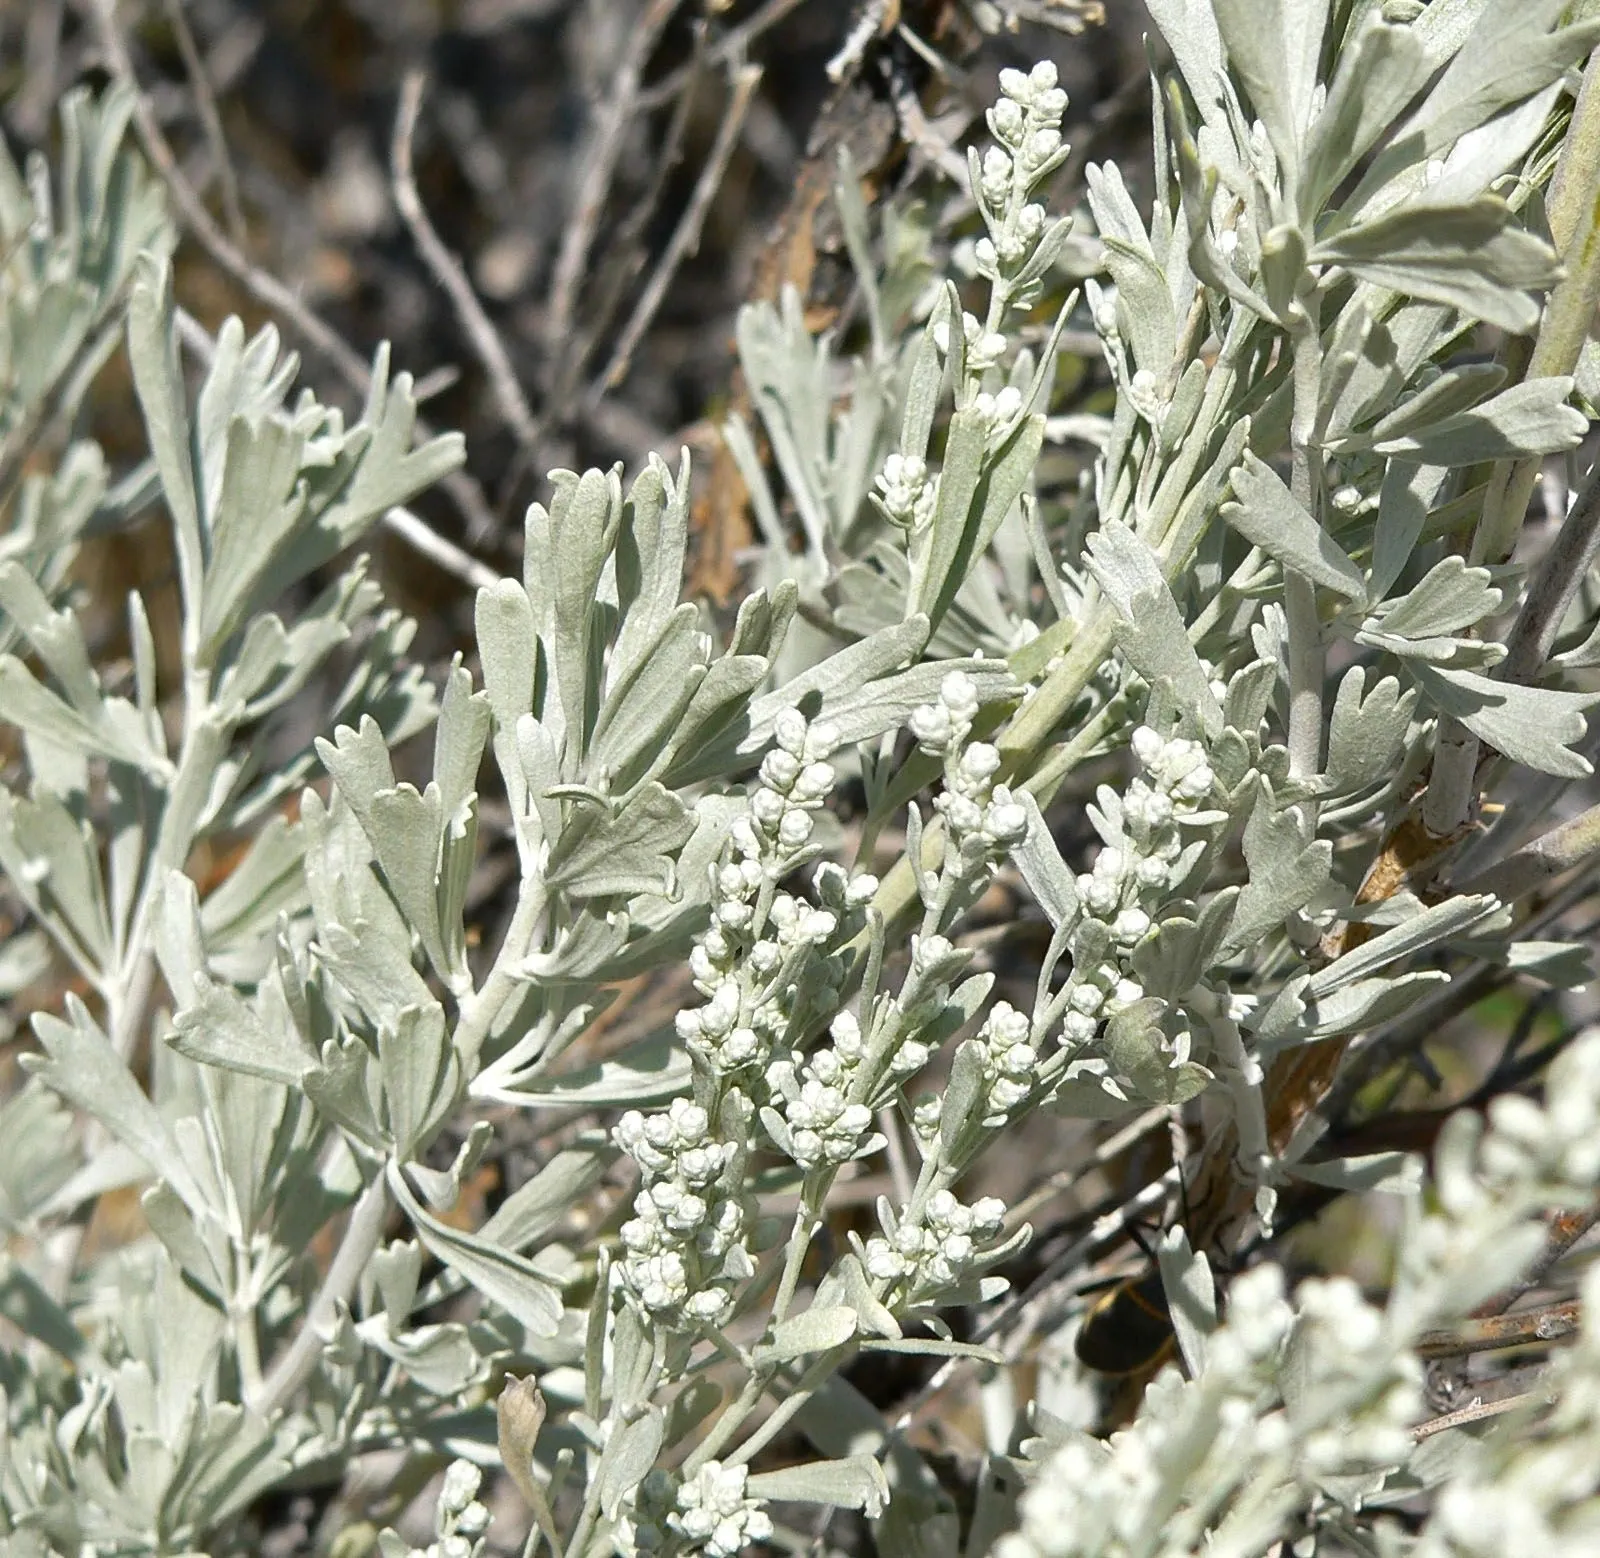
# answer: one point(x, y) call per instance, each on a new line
point(685, 1232)
point(713, 1514)
point(1026, 124)
point(1010, 1062)
point(983, 818)
point(1143, 861)
point(999, 411)
point(460, 1521)
point(907, 494)
point(684, 1247)
point(733, 966)
point(823, 1125)
point(927, 1256)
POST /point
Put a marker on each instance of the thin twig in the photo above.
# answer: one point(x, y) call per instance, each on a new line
point(1531, 866)
point(686, 235)
point(732, 45)
point(626, 252)
point(1563, 1230)
point(210, 120)
point(1494, 1333)
point(599, 164)
point(1476, 1413)
point(447, 271)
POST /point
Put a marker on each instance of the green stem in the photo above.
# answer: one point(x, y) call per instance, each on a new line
point(1306, 668)
point(1574, 214)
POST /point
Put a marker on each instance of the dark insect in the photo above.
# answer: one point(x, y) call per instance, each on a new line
point(1129, 1329)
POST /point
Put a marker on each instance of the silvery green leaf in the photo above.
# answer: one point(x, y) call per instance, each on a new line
point(925, 380)
point(1151, 632)
point(1267, 515)
point(388, 471)
point(1287, 869)
point(650, 549)
point(1139, 1057)
point(409, 830)
point(510, 653)
point(629, 1455)
point(184, 1241)
point(259, 508)
point(533, 1209)
point(1393, 1173)
point(848, 1281)
point(216, 1026)
point(718, 713)
point(1146, 312)
point(1375, 76)
point(1526, 419)
point(856, 1483)
point(934, 1347)
point(927, 887)
point(55, 636)
point(245, 379)
point(1455, 390)
point(1449, 599)
point(963, 1097)
point(1560, 964)
point(420, 1075)
point(80, 1064)
point(940, 551)
point(1535, 726)
point(603, 853)
point(1407, 492)
point(864, 712)
point(1465, 256)
point(502, 1277)
point(1511, 54)
point(632, 1352)
point(1180, 950)
point(642, 718)
point(1191, 1294)
point(837, 675)
point(440, 1358)
point(584, 518)
point(819, 1329)
point(1366, 731)
point(1274, 48)
point(113, 729)
point(1249, 696)
point(343, 1085)
point(52, 861)
point(458, 740)
point(1048, 876)
point(646, 1072)
point(1184, 406)
point(1453, 917)
point(40, 1158)
point(1365, 1003)
point(158, 380)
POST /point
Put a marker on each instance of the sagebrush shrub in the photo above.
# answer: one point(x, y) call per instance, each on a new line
point(1281, 607)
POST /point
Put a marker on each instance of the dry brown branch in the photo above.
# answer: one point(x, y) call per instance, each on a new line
point(600, 163)
point(210, 120)
point(685, 236)
point(446, 269)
